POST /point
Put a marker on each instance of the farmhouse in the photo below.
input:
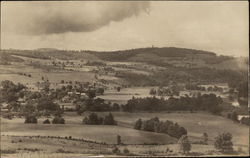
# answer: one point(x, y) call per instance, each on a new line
point(241, 116)
point(84, 94)
point(4, 107)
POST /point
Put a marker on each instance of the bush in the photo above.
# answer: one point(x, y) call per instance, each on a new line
point(116, 150)
point(47, 121)
point(30, 119)
point(223, 142)
point(138, 124)
point(58, 120)
point(8, 151)
point(62, 151)
point(125, 151)
point(118, 139)
point(205, 138)
point(94, 119)
point(8, 115)
point(109, 120)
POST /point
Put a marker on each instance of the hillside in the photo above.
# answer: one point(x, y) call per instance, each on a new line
point(166, 56)
point(139, 67)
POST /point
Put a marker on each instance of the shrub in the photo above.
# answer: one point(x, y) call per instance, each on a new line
point(30, 119)
point(94, 119)
point(8, 115)
point(58, 120)
point(116, 150)
point(8, 151)
point(109, 120)
point(47, 121)
point(62, 151)
point(125, 151)
point(205, 138)
point(223, 142)
point(119, 141)
point(138, 124)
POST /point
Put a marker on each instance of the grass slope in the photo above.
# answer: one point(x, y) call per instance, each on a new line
point(99, 133)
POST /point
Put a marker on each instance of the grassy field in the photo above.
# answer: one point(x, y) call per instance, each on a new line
point(107, 134)
point(125, 94)
point(42, 147)
point(11, 72)
point(195, 123)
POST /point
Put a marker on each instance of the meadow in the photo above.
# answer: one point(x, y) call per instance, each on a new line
point(138, 142)
point(195, 123)
point(42, 147)
point(107, 133)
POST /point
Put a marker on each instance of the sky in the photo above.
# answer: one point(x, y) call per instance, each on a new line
point(216, 26)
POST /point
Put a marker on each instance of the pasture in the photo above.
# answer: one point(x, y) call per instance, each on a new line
point(195, 123)
point(99, 133)
point(15, 73)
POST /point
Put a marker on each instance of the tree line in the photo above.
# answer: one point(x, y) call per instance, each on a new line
point(94, 119)
point(155, 125)
point(205, 102)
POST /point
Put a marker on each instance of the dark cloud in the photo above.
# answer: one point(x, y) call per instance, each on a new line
point(37, 18)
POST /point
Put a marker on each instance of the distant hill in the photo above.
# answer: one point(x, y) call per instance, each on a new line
point(47, 49)
point(171, 52)
point(165, 57)
point(160, 65)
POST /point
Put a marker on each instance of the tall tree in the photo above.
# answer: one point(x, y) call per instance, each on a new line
point(184, 144)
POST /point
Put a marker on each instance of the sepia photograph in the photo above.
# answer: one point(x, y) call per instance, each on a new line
point(124, 79)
